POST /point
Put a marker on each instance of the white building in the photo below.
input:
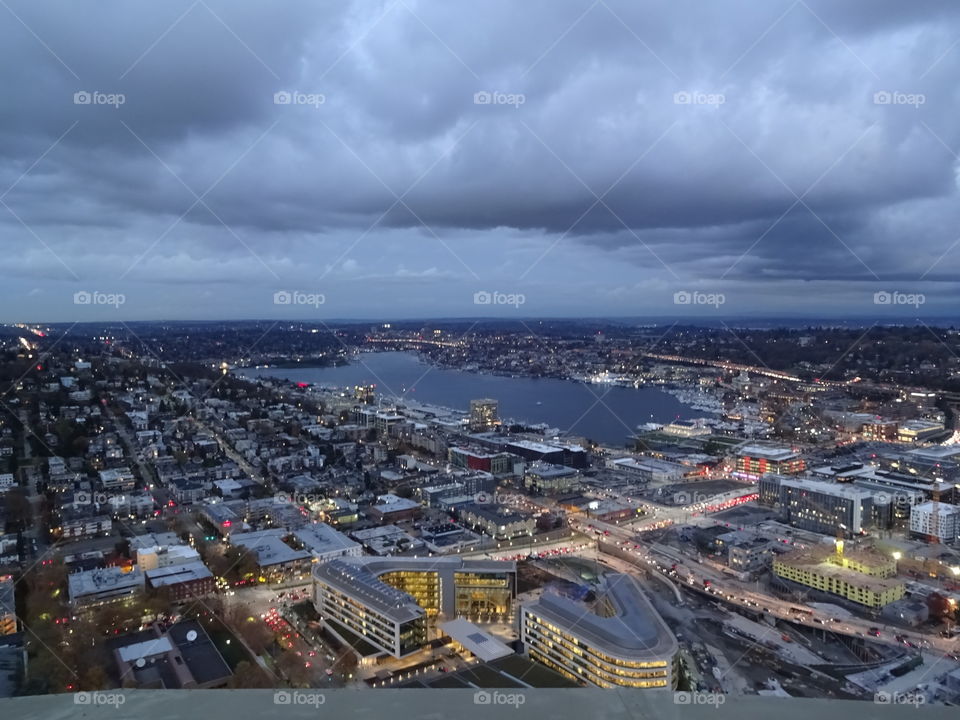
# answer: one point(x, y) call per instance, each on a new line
point(945, 525)
point(325, 543)
point(103, 585)
point(151, 558)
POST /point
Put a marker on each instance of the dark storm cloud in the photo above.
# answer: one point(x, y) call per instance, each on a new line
point(734, 143)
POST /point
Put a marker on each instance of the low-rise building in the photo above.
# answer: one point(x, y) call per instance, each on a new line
point(183, 581)
point(623, 642)
point(498, 521)
point(117, 479)
point(757, 459)
point(863, 576)
point(151, 558)
point(324, 543)
point(275, 558)
point(182, 657)
point(104, 585)
point(544, 477)
point(392, 508)
point(745, 551)
point(386, 540)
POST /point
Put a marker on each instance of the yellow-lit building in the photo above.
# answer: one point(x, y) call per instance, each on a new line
point(393, 603)
point(864, 576)
point(8, 610)
point(623, 642)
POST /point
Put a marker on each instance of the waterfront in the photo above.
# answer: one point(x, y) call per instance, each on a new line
point(603, 413)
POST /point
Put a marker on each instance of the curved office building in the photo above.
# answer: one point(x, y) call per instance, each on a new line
point(622, 641)
point(388, 602)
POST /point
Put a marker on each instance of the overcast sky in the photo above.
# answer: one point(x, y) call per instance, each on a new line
point(234, 159)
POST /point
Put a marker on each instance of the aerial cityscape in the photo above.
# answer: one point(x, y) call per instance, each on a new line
point(522, 350)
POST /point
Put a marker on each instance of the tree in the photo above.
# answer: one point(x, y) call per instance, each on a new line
point(294, 669)
point(248, 675)
point(254, 632)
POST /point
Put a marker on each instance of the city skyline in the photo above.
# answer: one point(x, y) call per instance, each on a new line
point(209, 161)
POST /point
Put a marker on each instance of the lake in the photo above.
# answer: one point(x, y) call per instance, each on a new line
point(603, 413)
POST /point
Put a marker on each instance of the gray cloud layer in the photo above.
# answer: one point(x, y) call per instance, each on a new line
point(794, 156)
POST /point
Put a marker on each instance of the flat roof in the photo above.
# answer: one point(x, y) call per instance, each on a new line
point(103, 580)
point(846, 490)
point(174, 574)
point(320, 538)
point(536, 446)
point(145, 649)
point(269, 546)
point(495, 513)
point(635, 630)
point(769, 452)
point(359, 578)
point(479, 642)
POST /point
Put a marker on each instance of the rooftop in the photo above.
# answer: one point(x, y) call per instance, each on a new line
point(479, 642)
point(635, 630)
point(359, 577)
point(320, 539)
point(174, 574)
point(269, 547)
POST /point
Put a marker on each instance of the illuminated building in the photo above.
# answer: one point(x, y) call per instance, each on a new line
point(493, 463)
point(819, 506)
point(498, 521)
point(864, 576)
point(8, 609)
point(919, 430)
point(756, 460)
point(104, 585)
point(939, 522)
point(625, 644)
point(483, 414)
point(391, 603)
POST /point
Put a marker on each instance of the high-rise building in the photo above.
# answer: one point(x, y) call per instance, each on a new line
point(483, 414)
